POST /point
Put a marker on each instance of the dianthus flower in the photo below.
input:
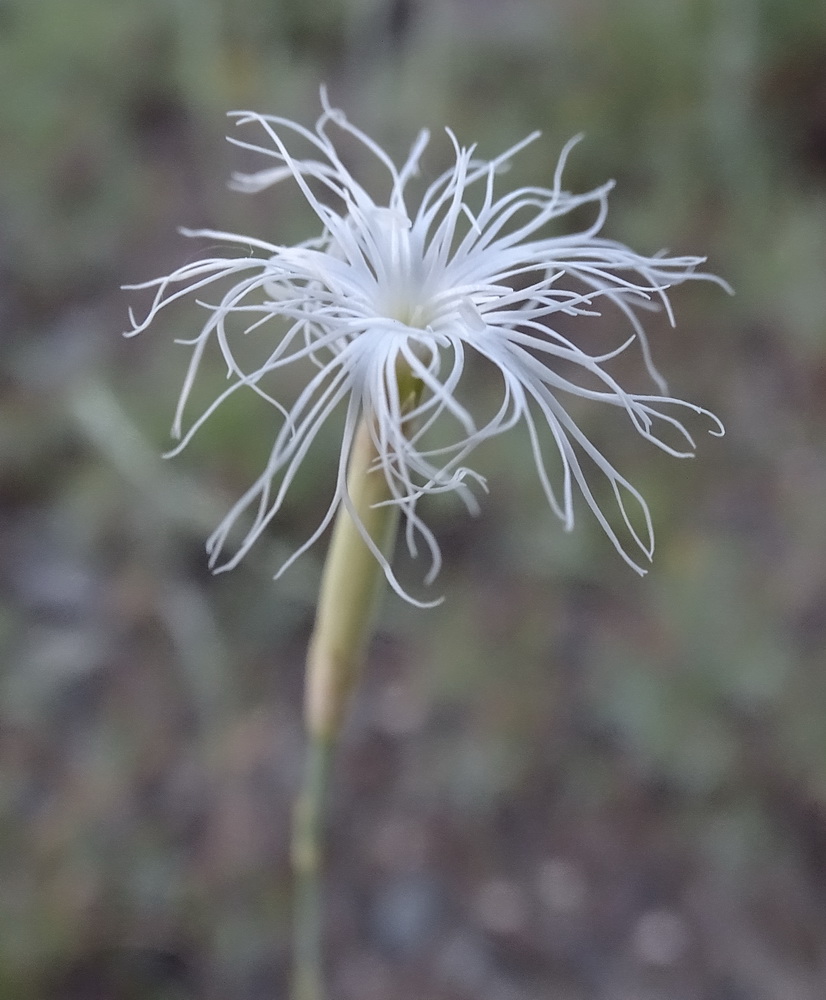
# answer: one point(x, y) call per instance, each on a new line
point(388, 301)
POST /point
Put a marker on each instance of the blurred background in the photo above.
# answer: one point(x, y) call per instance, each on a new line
point(566, 782)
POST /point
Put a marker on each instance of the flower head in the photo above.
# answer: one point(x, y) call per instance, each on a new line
point(391, 298)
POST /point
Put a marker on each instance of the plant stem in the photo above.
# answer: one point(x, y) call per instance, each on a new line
point(349, 593)
point(308, 828)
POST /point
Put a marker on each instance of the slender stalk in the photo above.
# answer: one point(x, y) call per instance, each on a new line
point(350, 588)
point(308, 821)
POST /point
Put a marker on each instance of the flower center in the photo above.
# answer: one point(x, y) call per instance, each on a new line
point(399, 269)
point(410, 314)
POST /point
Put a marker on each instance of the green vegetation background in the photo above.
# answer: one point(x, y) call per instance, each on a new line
point(566, 781)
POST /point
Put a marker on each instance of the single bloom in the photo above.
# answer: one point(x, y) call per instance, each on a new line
point(418, 284)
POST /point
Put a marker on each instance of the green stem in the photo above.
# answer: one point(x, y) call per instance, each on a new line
point(308, 829)
point(350, 588)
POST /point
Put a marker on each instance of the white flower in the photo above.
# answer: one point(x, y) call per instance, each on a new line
point(418, 285)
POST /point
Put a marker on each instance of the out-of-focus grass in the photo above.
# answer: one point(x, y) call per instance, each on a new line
point(149, 721)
